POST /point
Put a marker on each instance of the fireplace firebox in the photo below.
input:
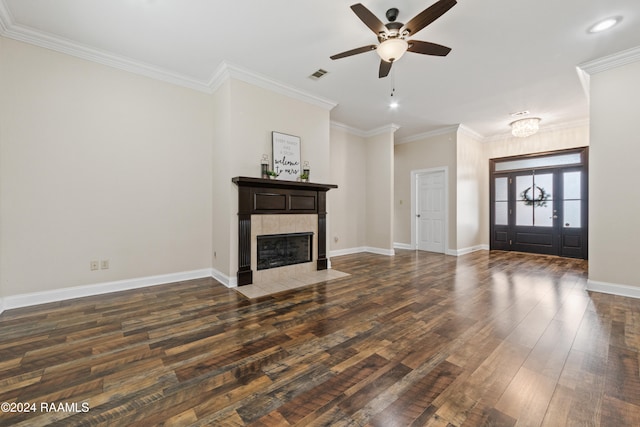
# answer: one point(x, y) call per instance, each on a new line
point(278, 250)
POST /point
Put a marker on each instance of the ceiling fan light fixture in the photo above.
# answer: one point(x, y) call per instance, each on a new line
point(391, 50)
point(525, 127)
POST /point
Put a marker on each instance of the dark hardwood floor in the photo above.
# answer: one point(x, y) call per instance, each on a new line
point(485, 339)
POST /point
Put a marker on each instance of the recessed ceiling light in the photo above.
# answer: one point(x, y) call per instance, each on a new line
point(519, 113)
point(604, 25)
point(393, 104)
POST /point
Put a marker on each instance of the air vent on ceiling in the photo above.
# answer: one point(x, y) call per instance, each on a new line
point(318, 74)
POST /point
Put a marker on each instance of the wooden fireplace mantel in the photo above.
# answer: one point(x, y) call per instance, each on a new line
point(245, 181)
point(257, 196)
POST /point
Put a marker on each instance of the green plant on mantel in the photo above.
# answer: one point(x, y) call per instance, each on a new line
point(272, 174)
point(304, 176)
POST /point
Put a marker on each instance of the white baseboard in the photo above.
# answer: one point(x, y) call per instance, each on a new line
point(34, 298)
point(453, 252)
point(360, 249)
point(348, 251)
point(408, 246)
point(464, 251)
point(613, 288)
point(1, 305)
point(228, 281)
point(380, 251)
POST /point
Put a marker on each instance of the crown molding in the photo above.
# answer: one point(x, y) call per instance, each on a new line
point(390, 128)
point(429, 134)
point(38, 38)
point(348, 129)
point(9, 29)
point(611, 61)
point(6, 19)
point(94, 55)
point(459, 128)
point(585, 81)
point(466, 130)
point(226, 71)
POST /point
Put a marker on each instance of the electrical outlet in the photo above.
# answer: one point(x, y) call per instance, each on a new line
point(93, 265)
point(104, 264)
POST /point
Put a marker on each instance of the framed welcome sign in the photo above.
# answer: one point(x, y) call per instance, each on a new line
point(286, 156)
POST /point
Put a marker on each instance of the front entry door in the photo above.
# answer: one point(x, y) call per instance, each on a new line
point(541, 210)
point(535, 227)
point(431, 212)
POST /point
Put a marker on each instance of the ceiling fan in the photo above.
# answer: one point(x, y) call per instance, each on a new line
point(393, 35)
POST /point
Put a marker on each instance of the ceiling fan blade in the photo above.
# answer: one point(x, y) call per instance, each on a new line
point(369, 19)
point(427, 48)
point(385, 67)
point(356, 51)
point(429, 15)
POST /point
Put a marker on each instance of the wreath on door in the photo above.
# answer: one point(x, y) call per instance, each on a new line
point(540, 201)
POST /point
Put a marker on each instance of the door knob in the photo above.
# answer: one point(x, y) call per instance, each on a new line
point(553, 217)
point(418, 215)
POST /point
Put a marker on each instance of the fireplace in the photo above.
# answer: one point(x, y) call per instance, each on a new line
point(274, 207)
point(279, 250)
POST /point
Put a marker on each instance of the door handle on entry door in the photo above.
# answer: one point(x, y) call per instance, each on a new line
point(418, 215)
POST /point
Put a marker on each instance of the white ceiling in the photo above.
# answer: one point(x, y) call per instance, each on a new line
point(507, 55)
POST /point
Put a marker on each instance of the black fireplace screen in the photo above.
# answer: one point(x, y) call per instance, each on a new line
point(277, 250)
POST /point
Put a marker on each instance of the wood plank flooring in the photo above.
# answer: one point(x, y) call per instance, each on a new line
point(419, 339)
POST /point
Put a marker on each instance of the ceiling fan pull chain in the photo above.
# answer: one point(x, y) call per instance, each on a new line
point(393, 83)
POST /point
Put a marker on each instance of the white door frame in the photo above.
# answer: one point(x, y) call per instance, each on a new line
point(414, 204)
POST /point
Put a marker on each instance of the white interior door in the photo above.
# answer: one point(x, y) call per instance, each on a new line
point(431, 211)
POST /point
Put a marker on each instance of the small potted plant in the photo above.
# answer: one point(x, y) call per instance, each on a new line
point(272, 174)
point(304, 177)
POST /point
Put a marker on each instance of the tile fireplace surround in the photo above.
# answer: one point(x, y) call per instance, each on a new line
point(280, 224)
point(273, 207)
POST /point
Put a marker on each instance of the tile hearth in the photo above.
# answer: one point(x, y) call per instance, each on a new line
point(285, 284)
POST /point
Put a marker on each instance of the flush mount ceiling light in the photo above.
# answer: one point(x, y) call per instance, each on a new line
point(604, 25)
point(525, 127)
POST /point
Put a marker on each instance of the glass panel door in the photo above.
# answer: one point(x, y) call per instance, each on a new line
point(524, 193)
point(573, 213)
point(501, 202)
point(533, 228)
point(542, 200)
point(572, 199)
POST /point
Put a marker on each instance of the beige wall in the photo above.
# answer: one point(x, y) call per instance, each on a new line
point(433, 152)
point(97, 163)
point(253, 113)
point(348, 201)
point(543, 141)
point(471, 175)
point(379, 192)
point(613, 177)
point(221, 205)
